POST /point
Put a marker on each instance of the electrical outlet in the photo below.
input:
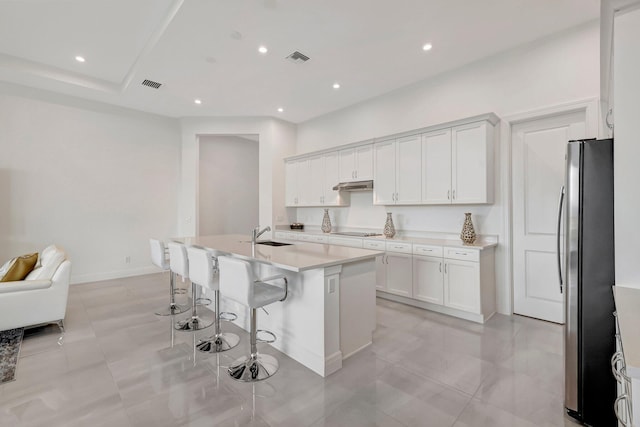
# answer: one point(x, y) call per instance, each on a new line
point(127, 259)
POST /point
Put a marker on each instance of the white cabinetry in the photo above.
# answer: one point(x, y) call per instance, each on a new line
point(397, 171)
point(393, 269)
point(457, 164)
point(310, 181)
point(323, 175)
point(436, 167)
point(356, 164)
point(297, 182)
point(428, 279)
point(472, 163)
point(462, 285)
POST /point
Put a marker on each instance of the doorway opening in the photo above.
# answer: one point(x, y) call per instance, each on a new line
point(228, 184)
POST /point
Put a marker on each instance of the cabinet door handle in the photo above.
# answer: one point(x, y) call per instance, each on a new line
point(356, 173)
point(396, 197)
point(440, 267)
point(448, 194)
point(445, 269)
point(454, 194)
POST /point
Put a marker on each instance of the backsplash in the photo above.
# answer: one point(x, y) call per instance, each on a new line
point(364, 214)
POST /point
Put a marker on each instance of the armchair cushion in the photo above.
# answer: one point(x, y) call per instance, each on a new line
point(20, 267)
point(50, 260)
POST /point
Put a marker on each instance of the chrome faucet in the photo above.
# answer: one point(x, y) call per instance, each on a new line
point(257, 233)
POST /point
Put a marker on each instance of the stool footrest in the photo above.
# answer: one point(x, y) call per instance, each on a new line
point(203, 301)
point(227, 316)
point(267, 340)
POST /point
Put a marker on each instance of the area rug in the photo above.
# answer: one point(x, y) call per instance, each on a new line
point(9, 350)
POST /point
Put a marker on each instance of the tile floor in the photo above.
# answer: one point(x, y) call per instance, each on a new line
point(117, 367)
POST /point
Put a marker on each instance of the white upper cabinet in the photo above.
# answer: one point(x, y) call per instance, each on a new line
point(309, 181)
point(397, 171)
point(408, 170)
point(384, 173)
point(436, 167)
point(450, 164)
point(356, 164)
point(330, 179)
point(457, 165)
point(472, 163)
point(297, 179)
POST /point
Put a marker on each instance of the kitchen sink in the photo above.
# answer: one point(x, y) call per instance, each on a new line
point(272, 243)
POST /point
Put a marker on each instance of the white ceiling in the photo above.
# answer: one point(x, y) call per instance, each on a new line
point(207, 49)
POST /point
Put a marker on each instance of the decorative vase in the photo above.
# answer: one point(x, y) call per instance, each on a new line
point(468, 234)
point(389, 229)
point(326, 222)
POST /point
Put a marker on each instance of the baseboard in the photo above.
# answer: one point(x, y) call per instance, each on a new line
point(97, 277)
point(478, 318)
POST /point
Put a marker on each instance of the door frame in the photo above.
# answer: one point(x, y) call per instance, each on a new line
point(591, 109)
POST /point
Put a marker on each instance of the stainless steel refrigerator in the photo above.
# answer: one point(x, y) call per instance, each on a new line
point(586, 270)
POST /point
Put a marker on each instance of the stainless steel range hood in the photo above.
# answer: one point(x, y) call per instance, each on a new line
point(354, 186)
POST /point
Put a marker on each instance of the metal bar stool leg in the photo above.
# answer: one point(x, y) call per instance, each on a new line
point(220, 341)
point(195, 322)
point(173, 308)
point(258, 366)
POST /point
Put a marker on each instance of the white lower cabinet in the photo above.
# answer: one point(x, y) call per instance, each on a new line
point(454, 280)
point(428, 279)
point(462, 285)
point(399, 274)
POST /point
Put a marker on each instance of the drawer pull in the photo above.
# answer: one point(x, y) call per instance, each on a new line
point(462, 253)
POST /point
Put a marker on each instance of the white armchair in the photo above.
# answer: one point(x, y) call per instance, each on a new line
point(41, 297)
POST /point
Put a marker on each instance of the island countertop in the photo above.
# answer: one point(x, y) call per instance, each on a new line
point(294, 257)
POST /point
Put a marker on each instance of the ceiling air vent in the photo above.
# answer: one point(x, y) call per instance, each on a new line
point(151, 83)
point(298, 57)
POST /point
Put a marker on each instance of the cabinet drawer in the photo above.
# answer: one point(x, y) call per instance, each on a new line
point(462, 254)
point(316, 238)
point(374, 244)
point(286, 236)
point(405, 248)
point(427, 250)
point(345, 241)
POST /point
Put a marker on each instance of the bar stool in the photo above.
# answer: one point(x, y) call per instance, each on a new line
point(238, 282)
point(179, 264)
point(159, 258)
point(203, 271)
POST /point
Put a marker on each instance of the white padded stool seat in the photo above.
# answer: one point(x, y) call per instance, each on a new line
point(203, 271)
point(160, 258)
point(237, 282)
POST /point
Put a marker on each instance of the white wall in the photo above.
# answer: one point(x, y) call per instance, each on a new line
point(276, 141)
point(543, 74)
point(95, 179)
point(227, 185)
point(627, 146)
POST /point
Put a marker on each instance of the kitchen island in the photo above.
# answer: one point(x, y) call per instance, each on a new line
point(329, 313)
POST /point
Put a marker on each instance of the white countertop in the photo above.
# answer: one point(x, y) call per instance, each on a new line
point(297, 257)
point(628, 309)
point(445, 240)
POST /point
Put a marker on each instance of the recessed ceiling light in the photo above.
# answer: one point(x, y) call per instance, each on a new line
point(336, 85)
point(426, 46)
point(263, 49)
point(80, 58)
point(280, 110)
point(197, 101)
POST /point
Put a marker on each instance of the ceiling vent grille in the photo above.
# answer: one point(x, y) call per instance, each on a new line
point(298, 57)
point(151, 83)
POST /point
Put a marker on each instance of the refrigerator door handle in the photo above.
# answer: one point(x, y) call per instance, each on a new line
point(560, 203)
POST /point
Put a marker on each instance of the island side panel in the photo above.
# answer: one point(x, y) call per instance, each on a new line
point(357, 306)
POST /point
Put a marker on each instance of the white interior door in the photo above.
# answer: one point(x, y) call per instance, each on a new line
point(538, 164)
